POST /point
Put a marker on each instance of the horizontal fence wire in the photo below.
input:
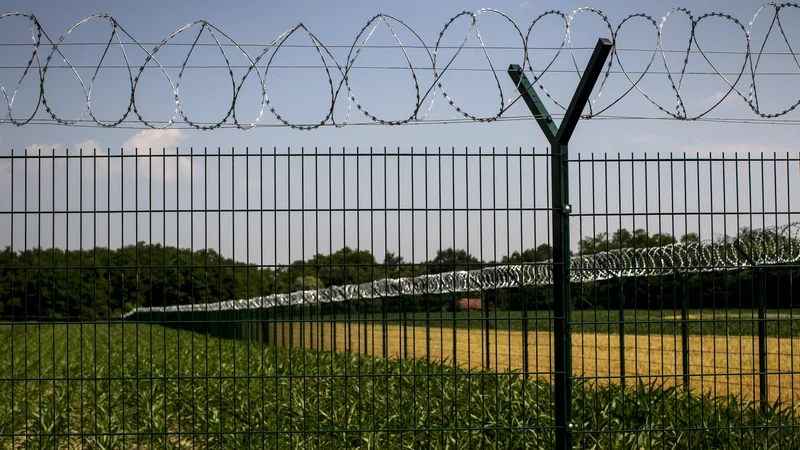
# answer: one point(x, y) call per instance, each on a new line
point(347, 298)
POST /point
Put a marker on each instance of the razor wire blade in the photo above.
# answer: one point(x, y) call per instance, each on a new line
point(46, 50)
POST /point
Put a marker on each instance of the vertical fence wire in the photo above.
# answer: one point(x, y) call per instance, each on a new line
point(88, 236)
point(721, 334)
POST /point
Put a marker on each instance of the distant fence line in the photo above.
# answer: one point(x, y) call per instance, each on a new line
point(768, 246)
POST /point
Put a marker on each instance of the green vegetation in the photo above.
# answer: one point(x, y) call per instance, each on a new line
point(142, 386)
point(42, 284)
point(54, 284)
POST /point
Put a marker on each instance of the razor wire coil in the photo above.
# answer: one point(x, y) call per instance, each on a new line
point(340, 85)
point(752, 248)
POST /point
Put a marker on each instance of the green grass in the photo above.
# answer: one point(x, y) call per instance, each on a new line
point(141, 386)
point(733, 322)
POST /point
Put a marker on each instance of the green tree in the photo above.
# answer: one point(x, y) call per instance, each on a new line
point(450, 260)
point(541, 253)
point(308, 283)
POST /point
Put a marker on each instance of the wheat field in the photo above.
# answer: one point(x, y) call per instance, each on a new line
point(722, 365)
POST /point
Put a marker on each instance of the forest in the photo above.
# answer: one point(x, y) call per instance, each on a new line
point(100, 283)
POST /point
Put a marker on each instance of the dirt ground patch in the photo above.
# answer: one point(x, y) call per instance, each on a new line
point(719, 364)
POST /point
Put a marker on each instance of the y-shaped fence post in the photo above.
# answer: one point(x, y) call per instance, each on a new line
point(559, 160)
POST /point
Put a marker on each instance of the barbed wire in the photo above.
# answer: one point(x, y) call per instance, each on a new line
point(46, 51)
point(456, 121)
point(750, 249)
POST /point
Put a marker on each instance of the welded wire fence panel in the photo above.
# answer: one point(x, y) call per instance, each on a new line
point(703, 358)
point(395, 298)
point(124, 271)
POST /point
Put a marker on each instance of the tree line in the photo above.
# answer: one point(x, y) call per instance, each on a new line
point(99, 283)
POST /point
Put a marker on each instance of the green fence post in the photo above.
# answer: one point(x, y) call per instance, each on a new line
point(231, 324)
point(365, 322)
point(405, 333)
point(525, 356)
point(264, 325)
point(762, 325)
point(487, 334)
point(291, 327)
point(762, 339)
point(239, 323)
point(621, 314)
point(558, 138)
point(685, 328)
point(384, 327)
point(302, 324)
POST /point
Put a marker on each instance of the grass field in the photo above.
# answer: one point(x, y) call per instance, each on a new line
point(142, 386)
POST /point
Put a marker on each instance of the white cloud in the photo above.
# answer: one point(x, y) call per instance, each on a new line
point(151, 145)
point(88, 146)
point(50, 165)
point(47, 149)
point(155, 139)
point(525, 4)
point(101, 164)
point(713, 99)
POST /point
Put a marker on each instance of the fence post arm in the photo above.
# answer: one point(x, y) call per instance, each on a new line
point(533, 102)
point(559, 137)
point(584, 90)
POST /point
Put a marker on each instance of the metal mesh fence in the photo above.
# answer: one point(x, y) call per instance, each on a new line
point(395, 298)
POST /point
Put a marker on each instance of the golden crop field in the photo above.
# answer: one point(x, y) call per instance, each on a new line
point(719, 364)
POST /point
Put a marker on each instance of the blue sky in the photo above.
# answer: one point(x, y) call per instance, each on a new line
point(303, 96)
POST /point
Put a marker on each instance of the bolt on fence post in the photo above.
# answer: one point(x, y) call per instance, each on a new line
point(561, 294)
point(559, 137)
